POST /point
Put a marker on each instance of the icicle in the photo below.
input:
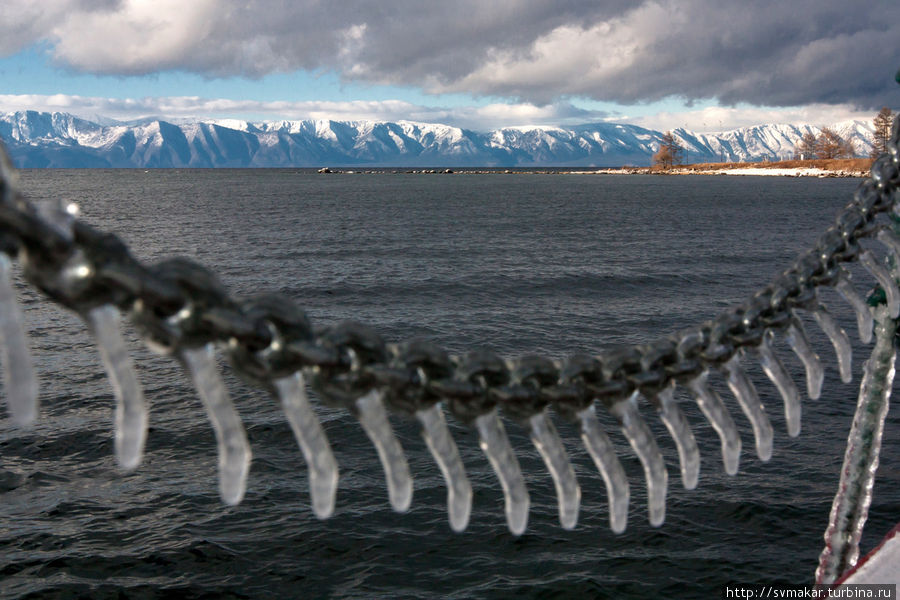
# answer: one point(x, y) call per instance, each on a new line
point(104, 322)
point(320, 462)
point(18, 372)
point(131, 410)
point(862, 310)
point(644, 445)
point(748, 398)
point(604, 454)
point(676, 423)
point(891, 242)
point(879, 272)
point(851, 503)
point(568, 493)
point(234, 451)
point(717, 415)
point(775, 371)
point(443, 448)
point(839, 340)
point(799, 343)
point(495, 445)
point(374, 420)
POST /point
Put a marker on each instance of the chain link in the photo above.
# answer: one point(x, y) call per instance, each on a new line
point(178, 304)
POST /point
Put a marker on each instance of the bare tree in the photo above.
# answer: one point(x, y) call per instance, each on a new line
point(808, 146)
point(882, 122)
point(669, 153)
point(831, 145)
point(663, 158)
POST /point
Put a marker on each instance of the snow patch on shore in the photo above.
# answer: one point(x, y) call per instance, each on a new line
point(792, 172)
point(758, 171)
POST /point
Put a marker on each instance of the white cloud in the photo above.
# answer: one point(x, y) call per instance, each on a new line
point(25, 22)
point(768, 52)
point(717, 118)
point(191, 107)
point(134, 36)
point(479, 118)
point(570, 57)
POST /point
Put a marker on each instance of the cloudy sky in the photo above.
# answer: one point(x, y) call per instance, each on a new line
point(703, 64)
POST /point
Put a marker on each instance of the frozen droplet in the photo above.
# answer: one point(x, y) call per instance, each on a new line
point(374, 420)
point(499, 452)
point(839, 340)
point(799, 343)
point(234, 451)
point(443, 448)
point(548, 444)
point(604, 455)
point(680, 430)
point(775, 371)
point(131, 410)
point(18, 371)
point(644, 445)
point(718, 416)
point(748, 399)
point(320, 462)
point(863, 311)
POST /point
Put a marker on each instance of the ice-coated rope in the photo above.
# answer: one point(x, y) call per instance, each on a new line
point(850, 508)
point(181, 309)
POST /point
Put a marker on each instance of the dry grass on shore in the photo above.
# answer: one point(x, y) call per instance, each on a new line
point(831, 164)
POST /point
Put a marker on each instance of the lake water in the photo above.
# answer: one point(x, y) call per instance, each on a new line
point(525, 263)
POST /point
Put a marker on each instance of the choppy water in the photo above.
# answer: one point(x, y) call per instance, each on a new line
point(554, 264)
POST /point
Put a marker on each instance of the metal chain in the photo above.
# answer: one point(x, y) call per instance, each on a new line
point(181, 308)
point(178, 303)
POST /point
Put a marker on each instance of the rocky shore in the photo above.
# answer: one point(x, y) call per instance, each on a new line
point(851, 167)
point(687, 170)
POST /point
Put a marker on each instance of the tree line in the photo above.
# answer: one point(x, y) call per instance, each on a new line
point(828, 144)
point(883, 122)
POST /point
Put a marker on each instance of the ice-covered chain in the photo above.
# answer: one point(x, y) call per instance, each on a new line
point(181, 309)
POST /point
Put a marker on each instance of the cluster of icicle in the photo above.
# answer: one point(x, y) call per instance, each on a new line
point(235, 455)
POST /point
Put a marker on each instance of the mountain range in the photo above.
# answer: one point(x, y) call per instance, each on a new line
point(41, 139)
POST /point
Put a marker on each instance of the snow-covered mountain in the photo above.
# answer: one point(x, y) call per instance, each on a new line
point(762, 142)
point(62, 140)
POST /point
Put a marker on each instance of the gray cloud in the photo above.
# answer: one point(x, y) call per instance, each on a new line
point(25, 22)
point(767, 52)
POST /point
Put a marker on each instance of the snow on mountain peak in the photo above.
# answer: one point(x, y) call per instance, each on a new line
point(37, 139)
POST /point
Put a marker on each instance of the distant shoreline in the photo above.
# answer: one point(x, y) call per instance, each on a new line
point(844, 167)
point(850, 167)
